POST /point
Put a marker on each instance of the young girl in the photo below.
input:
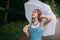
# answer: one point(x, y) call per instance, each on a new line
point(35, 30)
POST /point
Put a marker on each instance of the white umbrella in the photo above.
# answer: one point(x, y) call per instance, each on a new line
point(46, 10)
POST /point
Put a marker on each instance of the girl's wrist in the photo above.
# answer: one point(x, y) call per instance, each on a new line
point(25, 31)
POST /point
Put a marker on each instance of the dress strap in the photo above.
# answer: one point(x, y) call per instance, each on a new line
point(30, 25)
point(40, 24)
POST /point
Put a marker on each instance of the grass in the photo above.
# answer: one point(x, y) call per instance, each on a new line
point(12, 31)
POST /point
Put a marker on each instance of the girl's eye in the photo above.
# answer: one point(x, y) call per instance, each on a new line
point(34, 12)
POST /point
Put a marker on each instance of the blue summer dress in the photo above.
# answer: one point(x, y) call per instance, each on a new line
point(36, 33)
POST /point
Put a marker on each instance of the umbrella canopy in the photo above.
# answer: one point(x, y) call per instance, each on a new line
point(46, 10)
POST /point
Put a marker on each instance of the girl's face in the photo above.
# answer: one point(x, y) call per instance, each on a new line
point(35, 14)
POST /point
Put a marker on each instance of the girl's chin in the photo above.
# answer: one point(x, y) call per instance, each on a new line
point(32, 17)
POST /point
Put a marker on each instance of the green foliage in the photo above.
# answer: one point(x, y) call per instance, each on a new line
point(12, 31)
point(1, 8)
point(54, 4)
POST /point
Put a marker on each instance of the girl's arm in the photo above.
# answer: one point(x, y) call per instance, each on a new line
point(25, 29)
point(48, 19)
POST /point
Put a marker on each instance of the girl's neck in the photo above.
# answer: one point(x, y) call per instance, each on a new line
point(36, 20)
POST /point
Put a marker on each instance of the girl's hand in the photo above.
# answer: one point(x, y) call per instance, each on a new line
point(25, 29)
point(48, 19)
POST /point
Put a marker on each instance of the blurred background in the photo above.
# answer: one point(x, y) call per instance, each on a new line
point(12, 19)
